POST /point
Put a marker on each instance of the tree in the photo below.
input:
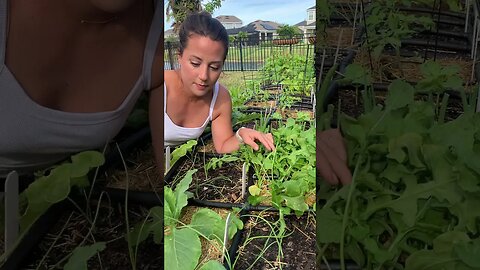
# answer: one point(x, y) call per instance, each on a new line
point(287, 31)
point(242, 36)
point(171, 39)
point(179, 9)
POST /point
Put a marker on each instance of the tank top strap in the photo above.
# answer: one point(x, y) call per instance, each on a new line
point(3, 30)
point(214, 99)
point(154, 34)
point(164, 98)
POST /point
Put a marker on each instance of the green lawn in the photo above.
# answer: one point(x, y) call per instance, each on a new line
point(258, 53)
point(231, 79)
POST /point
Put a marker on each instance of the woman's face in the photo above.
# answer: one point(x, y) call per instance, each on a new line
point(201, 64)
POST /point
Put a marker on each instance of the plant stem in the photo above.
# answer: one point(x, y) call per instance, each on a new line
point(345, 213)
point(54, 241)
point(88, 233)
point(127, 224)
point(443, 109)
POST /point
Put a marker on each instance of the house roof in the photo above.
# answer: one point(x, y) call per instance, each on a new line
point(248, 29)
point(228, 19)
point(169, 32)
point(260, 25)
point(304, 23)
point(311, 8)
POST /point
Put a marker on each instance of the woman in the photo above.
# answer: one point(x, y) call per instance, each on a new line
point(71, 72)
point(193, 96)
point(332, 158)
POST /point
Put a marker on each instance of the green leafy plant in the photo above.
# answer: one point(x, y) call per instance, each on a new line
point(285, 177)
point(239, 117)
point(181, 151)
point(152, 225)
point(451, 250)
point(294, 72)
point(182, 241)
point(80, 256)
point(241, 95)
point(386, 25)
point(53, 186)
point(437, 78)
point(413, 180)
point(218, 162)
point(358, 76)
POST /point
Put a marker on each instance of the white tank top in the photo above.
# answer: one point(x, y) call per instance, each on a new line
point(174, 134)
point(34, 137)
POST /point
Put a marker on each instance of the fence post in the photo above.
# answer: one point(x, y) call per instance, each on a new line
point(170, 55)
point(241, 55)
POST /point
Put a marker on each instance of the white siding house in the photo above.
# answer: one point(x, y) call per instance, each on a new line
point(230, 21)
point(308, 26)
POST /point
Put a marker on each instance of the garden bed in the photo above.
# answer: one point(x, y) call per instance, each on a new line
point(73, 230)
point(389, 67)
point(143, 174)
point(222, 184)
point(260, 249)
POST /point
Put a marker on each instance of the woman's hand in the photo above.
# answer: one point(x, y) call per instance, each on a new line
point(332, 157)
point(249, 136)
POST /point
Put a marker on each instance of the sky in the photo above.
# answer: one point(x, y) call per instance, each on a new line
point(288, 12)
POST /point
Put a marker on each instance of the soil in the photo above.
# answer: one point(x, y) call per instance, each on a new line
point(221, 185)
point(208, 147)
point(340, 36)
point(389, 68)
point(298, 247)
point(262, 104)
point(272, 88)
point(110, 228)
point(352, 105)
point(211, 250)
point(142, 172)
point(293, 113)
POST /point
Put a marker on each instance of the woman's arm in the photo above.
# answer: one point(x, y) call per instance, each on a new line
point(155, 114)
point(224, 139)
point(155, 106)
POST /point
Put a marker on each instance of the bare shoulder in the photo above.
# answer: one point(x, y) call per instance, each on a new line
point(223, 104)
point(223, 95)
point(158, 76)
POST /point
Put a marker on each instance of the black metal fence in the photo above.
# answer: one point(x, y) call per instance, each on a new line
point(249, 54)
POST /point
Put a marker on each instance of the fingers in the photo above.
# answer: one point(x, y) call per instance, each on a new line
point(333, 138)
point(266, 139)
point(250, 142)
point(337, 165)
point(325, 169)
